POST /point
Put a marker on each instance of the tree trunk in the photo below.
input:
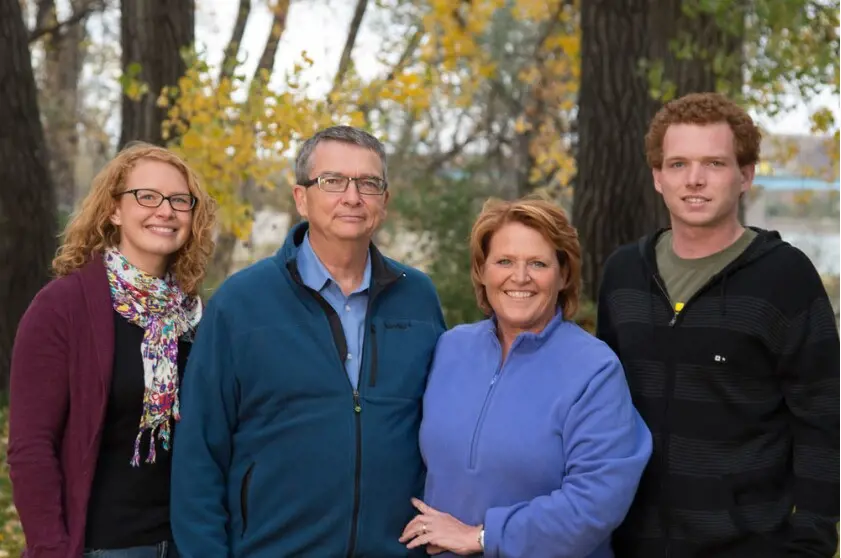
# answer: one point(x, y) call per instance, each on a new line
point(153, 32)
point(64, 54)
point(27, 200)
point(614, 200)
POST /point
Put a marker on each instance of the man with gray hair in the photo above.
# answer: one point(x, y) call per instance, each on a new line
point(301, 402)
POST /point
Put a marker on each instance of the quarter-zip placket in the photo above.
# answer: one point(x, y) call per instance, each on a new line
point(477, 431)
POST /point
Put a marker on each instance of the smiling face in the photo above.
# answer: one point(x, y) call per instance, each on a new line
point(149, 236)
point(349, 215)
point(700, 179)
point(522, 278)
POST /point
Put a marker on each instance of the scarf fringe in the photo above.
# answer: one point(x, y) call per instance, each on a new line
point(164, 434)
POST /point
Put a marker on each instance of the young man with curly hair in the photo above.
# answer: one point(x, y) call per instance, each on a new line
point(731, 351)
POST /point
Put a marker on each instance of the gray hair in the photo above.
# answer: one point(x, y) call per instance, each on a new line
point(343, 134)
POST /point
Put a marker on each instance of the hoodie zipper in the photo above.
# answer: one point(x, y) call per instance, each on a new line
point(669, 393)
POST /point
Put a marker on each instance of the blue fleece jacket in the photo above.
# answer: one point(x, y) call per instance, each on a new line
point(276, 454)
point(545, 449)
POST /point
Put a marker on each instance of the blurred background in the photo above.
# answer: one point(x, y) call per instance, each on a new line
point(473, 98)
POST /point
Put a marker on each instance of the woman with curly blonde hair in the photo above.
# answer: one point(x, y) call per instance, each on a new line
point(98, 359)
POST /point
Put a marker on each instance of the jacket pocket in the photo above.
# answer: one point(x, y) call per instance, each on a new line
point(243, 496)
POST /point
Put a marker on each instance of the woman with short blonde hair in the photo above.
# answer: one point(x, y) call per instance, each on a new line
point(98, 360)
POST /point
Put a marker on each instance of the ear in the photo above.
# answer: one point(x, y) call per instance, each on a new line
point(657, 174)
point(116, 217)
point(386, 197)
point(299, 194)
point(748, 173)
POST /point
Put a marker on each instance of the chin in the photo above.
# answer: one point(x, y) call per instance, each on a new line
point(160, 249)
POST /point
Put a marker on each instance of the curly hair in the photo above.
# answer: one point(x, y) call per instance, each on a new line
point(91, 231)
point(704, 108)
point(546, 218)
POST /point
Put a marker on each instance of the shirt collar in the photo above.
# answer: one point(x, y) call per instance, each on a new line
point(315, 275)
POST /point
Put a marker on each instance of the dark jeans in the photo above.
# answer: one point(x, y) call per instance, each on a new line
point(164, 549)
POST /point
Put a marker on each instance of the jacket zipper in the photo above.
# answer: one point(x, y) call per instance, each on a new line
point(357, 403)
point(477, 431)
point(357, 410)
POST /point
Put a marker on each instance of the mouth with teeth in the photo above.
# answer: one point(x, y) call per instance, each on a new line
point(161, 230)
point(520, 295)
point(696, 200)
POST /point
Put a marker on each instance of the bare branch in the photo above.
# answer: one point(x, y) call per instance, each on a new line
point(344, 61)
point(458, 147)
point(229, 61)
point(398, 67)
point(76, 18)
point(410, 49)
point(281, 10)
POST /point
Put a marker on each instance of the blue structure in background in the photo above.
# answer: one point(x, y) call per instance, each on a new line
point(790, 182)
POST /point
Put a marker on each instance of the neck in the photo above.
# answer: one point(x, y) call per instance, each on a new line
point(507, 334)
point(344, 260)
point(698, 242)
point(147, 263)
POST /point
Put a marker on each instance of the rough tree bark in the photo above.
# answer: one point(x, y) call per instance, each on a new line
point(153, 32)
point(27, 200)
point(614, 200)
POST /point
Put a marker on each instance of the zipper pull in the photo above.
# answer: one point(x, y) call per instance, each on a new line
point(357, 407)
point(678, 308)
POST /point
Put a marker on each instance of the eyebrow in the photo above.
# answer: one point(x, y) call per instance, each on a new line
point(360, 176)
point(513, 257)
point(686, 157)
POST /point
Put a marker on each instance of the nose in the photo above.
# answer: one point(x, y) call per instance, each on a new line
point(351, 195)
point(165, 210)
point(521, 273)
point(697, 175)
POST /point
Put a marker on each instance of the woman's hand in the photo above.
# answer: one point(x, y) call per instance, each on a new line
point(440, 532)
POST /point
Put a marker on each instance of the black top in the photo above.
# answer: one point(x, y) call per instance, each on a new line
point(129, 506)
point(740, 391)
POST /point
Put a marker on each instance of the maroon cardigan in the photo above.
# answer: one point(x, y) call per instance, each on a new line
point(62, 363)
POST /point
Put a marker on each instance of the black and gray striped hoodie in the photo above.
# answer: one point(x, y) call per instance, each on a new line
point(741, 393)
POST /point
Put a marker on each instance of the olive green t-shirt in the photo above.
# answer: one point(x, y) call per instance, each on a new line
point(684, 277)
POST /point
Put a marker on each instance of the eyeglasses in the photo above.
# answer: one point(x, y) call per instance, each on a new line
point(336, 184)
point(153, 198)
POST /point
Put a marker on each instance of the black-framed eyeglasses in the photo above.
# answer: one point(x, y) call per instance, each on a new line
point(336, 184)
point(153, 198)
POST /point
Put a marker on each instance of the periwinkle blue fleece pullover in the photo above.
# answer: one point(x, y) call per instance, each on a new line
point(545, 449)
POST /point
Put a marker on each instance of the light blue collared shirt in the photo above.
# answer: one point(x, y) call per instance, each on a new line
point(351, 309)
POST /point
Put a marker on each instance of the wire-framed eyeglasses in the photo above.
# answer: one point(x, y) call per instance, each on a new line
point(336, 184)
point(153, 198)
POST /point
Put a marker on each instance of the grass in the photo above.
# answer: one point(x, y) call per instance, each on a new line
point(11, 534)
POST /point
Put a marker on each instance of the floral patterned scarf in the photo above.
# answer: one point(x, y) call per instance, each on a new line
point(165, 313)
